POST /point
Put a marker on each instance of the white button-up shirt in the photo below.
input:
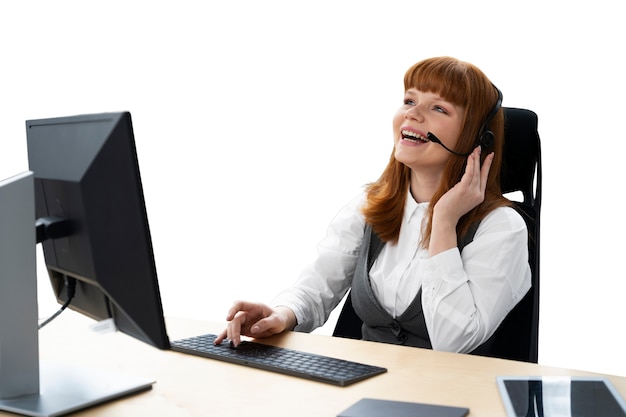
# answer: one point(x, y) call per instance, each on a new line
point(464, 296)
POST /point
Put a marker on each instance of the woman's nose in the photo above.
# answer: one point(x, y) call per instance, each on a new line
point(414, 113)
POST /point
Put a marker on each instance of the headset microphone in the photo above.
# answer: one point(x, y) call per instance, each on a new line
point(431, 137)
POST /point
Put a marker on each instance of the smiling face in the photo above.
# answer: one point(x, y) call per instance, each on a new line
point(424, 112)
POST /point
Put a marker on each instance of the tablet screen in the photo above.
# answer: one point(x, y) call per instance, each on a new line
point(560, 396)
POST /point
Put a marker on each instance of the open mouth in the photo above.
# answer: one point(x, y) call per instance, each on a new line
point(411, 136)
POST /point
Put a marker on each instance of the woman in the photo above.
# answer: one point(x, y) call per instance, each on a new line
point(440, 188)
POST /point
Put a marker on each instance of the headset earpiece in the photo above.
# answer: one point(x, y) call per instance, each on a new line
point(486, 140)
point(485, 136)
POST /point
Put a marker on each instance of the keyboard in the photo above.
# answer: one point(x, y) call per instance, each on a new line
point(279, 359)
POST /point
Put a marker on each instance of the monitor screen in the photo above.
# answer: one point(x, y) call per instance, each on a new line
point(92, 221)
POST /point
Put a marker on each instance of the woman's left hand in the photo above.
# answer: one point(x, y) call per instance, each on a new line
point(460, 199)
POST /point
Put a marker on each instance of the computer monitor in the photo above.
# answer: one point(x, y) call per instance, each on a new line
point(19, 347)
point(92, 221)
point(29, 386)
point(83, 200)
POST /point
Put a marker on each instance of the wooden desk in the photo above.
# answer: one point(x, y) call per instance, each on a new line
point(191, 386)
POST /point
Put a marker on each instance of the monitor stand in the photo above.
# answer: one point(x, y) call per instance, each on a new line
point(27, 386)
point(64, 389)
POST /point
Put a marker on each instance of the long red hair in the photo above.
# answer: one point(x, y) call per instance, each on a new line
point(465, 85)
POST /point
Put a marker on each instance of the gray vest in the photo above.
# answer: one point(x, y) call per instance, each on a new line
point(378, 325)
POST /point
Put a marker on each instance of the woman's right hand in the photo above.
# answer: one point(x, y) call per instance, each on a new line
point(255, 320)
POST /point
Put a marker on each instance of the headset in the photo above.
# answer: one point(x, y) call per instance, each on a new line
point(485, 136)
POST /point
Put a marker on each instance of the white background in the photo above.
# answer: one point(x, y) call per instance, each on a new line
point(256, 121)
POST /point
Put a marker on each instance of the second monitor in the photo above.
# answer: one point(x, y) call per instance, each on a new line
point(92, 221)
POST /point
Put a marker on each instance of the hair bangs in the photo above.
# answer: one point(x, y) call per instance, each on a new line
point(444, 76)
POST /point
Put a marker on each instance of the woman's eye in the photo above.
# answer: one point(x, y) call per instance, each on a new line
point(408, 102)
point(440, 109)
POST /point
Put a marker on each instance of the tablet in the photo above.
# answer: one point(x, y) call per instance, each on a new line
point(563, 396)
point(372, 407)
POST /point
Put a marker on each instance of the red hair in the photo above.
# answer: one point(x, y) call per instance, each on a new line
point(462, 84)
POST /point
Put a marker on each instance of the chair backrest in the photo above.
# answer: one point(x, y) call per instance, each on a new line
point(518, 336)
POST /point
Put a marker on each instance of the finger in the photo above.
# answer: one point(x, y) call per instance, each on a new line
point(476, 163)
point(235, 326)
point(263, 327)
point(472, 168)
point(484, 171)
point(220, 337)
point(257, 329)
point(237, 307)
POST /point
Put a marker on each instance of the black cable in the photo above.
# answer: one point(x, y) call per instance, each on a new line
point(71, 291)
point(431, 137)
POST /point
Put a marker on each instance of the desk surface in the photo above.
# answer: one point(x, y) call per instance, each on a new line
point(191, 386)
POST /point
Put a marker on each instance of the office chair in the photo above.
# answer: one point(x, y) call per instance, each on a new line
point(517, 337)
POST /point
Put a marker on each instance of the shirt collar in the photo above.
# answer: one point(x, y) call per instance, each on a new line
point(412, 207)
